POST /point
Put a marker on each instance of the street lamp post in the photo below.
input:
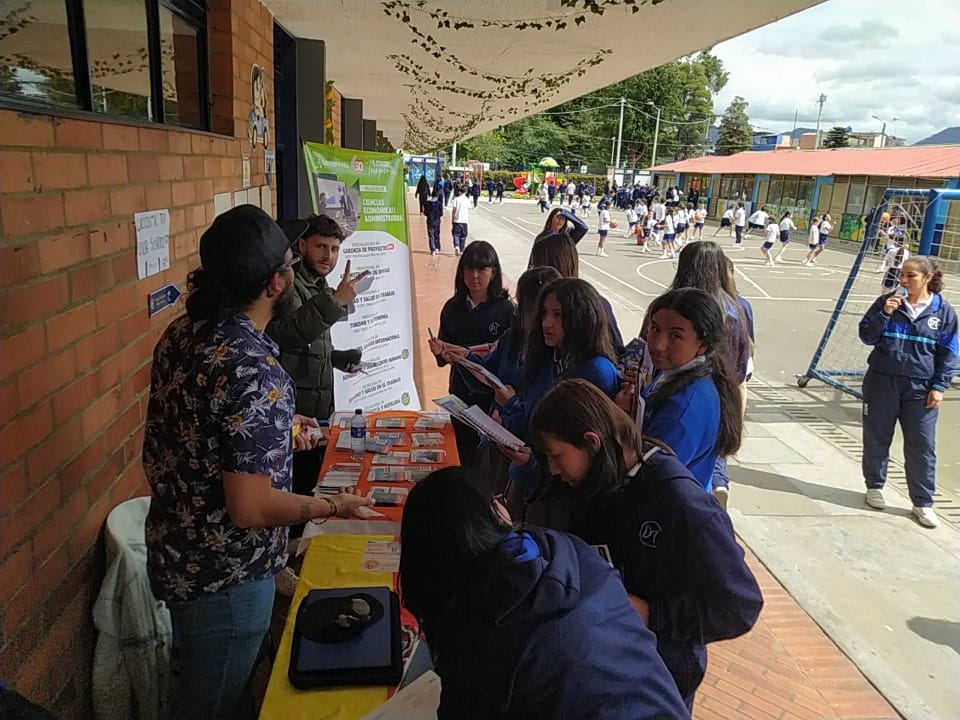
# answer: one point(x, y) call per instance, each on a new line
point(883, 130)
point(656, 135)
point(616, 163)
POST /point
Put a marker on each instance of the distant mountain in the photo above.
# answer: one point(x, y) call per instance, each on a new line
point(947, 136)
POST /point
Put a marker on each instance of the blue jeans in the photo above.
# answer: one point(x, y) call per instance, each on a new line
point(219, 637)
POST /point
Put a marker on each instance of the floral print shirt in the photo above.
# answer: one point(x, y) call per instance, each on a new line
point(219, 402)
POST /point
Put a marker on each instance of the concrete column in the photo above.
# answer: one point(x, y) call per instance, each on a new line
point(369, 134)
point(352, 110)
point(311, 80)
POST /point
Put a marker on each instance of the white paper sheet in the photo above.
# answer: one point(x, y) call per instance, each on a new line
point(418, 701)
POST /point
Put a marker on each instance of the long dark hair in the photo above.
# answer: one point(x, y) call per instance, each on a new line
point(478, 255)
point(709, 322)
point(586, 332)
point(703, 265)
point(528, 290)
point(448, 526)
point(573, 408)
point(558, 251)
point(549, 223)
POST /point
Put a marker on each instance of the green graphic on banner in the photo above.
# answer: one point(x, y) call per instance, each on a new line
point(364, 192)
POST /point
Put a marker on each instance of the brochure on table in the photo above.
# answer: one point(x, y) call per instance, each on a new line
point(364, 192)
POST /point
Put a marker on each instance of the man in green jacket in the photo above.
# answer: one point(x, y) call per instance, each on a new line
point(306, 350)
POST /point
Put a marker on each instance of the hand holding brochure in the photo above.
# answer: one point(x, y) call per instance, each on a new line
point(481, 373)
point(479, 421)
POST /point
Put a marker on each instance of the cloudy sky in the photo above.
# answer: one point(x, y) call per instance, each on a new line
point(890, 58)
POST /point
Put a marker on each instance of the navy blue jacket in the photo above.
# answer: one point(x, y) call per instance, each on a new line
point(461, 325)
point(545, 630)
point(922, 349)
point(674, 547)
point(433, 208)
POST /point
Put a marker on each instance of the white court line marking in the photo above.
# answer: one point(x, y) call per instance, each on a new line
point(646, 277)
point(755, 285)
point(599, 270)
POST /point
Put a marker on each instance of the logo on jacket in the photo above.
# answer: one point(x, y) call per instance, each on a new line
point(933, 322)
point(649, 532)
point(493, 328)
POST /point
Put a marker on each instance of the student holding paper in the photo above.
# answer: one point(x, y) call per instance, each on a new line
point(671, 542)
point(506, 362)
point(523, 622)
point(478, 313)
point(571, 340)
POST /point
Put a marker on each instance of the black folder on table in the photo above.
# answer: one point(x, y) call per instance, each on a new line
point(371, 656)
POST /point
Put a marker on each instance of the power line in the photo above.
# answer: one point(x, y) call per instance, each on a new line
point(643, 112)
point(578, 112)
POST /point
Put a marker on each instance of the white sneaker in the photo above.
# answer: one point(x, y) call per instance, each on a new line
point(813, 261)
point(286, 582)
point(722, 495)
point(875, 498)
point(926, 517)
point(601, 253)
point(456, 251)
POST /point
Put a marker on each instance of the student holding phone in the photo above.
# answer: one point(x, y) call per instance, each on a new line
point(913, 331)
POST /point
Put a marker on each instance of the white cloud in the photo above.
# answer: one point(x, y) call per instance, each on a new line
point(888, 58)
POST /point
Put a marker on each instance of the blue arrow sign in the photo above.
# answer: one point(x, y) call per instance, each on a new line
point(163, 298)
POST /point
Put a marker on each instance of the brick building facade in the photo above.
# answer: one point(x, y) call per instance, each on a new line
point(76, 340)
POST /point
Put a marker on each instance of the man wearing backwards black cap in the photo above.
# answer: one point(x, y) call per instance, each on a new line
point(217, 454)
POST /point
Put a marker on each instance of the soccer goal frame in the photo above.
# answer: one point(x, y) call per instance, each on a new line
point(931, 228)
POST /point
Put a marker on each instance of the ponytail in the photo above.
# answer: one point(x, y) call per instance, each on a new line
point(936, 282)
point(929, 266)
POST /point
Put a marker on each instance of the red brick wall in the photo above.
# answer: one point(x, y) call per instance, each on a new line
point(76, 341)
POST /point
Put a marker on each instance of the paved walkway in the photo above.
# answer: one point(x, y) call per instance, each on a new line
point(786, 668)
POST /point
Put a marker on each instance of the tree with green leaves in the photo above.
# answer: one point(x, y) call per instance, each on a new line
point(735, 133)
point(837, 137)
point(582, 131)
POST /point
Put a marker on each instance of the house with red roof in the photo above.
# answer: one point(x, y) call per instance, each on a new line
point(845, 182)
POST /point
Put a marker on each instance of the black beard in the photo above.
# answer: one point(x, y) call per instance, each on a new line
point(284, 303)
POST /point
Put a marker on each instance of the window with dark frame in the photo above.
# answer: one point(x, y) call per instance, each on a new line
point(141, 59)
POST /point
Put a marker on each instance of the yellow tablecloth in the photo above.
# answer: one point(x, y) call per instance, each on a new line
point(331, 561)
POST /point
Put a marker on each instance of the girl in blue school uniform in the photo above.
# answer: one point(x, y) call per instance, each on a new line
point(506, 362)
point(693, 402)
point(523, 622)
point(479, 312)
point(672, 544)
point(570, 340)
point(913, 331)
